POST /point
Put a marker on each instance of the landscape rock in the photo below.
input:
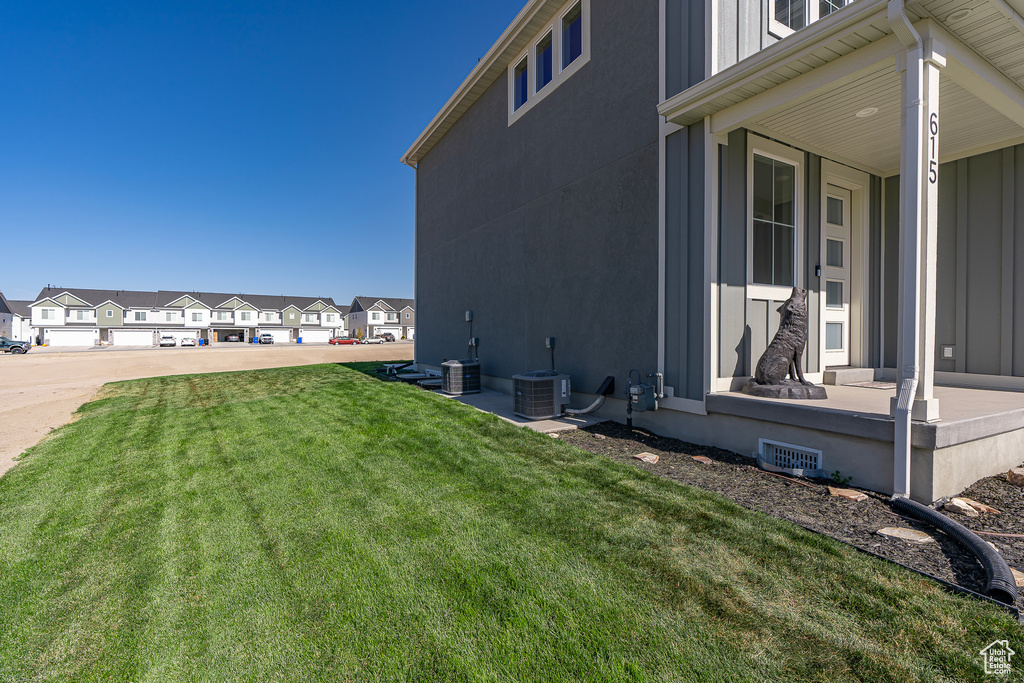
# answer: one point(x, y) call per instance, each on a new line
point(1016, 476)
point(980, 507)
point(960, 507)
point(848, 494)
point(909, 535)
point(600, 437)
point(1018, 577)
point(703, 459)
point(647, 457)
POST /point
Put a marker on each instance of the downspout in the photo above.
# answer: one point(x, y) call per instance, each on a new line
point(911, 205)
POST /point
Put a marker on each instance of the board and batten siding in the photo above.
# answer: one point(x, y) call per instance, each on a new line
point(742, 30)
point(980, 266)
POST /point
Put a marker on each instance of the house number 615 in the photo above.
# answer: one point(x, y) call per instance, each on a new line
point(933, 152)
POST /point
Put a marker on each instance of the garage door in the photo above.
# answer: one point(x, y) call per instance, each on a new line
point(280, 336)
point(131, 337)
point(72, 337)
point(315, 336)
point(397, 331)
point(411, 334)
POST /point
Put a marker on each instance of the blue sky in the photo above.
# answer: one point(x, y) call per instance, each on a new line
point(222, 145)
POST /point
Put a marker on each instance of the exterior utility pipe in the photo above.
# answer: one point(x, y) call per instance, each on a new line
point(589, 409)
point(911, 210)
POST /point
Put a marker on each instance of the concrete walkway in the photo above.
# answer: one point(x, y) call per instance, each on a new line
point(500, 404)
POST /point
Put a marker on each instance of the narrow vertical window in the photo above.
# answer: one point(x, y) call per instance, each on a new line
point(774, 245)
point(545, 64)
point(520, 84)
point(572, 35)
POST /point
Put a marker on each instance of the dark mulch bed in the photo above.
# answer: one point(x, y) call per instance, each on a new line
point(809, 504)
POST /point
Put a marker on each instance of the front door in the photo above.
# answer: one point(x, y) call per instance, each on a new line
point(836, 275)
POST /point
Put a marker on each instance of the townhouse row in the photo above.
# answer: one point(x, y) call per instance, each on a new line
point(92, 317)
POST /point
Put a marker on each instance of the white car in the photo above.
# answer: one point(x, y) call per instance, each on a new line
point(372, 340)
point(168, 340)
point(188, 341)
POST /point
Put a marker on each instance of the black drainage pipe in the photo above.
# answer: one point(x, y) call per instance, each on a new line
point(1001, 585)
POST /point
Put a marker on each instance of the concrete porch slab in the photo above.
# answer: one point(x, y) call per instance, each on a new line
point(497, 403)
point(841, 376)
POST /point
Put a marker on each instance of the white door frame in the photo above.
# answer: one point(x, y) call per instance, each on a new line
point(858, 183)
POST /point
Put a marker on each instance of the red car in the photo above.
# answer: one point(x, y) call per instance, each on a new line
point(342, 340)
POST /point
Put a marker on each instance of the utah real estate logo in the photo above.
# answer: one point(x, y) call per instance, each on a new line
point(997, 657)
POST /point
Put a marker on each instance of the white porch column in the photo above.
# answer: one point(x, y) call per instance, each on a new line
point(919, 175)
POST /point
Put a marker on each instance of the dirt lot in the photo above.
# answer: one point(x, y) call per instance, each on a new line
point(41, 391)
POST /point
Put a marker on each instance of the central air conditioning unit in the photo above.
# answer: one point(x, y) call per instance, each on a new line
point(540, 394)
point(460, 377)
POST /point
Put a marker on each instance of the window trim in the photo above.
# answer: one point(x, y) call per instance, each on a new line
point(110, 313)
point(796, 158)
point(558, 73)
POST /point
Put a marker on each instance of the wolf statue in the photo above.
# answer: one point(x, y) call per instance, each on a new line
point(784, 355)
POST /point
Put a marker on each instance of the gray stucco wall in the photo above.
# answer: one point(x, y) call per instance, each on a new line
point(549, 227)
point(979, 310)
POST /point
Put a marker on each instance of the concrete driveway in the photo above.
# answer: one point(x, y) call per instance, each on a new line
point(41, 391)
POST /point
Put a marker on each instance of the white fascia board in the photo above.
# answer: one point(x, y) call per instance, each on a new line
point(496, 59)
point(802, 43)
point(41, 301)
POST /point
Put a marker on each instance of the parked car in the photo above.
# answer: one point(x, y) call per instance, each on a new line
point(168, 340)
point(188, 341)
point(372, 340)
point(15, 347)
point(342, 340)
point(387, 336)
point(233, 338)
point(266, 338)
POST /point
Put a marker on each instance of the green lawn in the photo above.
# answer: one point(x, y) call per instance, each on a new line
point(316, 524)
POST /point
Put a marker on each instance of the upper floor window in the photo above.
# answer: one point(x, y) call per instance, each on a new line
point(572, 35)
point(246, 315)
point(376, 316)
point(536, 72)
point(171, 317)
point(110, 313)
point(269, 317)
point(792, 15)
point(46, 314)
point(545, 61)
point(83, 315)
point(329, 317)
point(140, 316)
point(521, 84)
point(406, 316)
point(197, 316)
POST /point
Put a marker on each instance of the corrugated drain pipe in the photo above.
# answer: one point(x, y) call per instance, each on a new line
point(1001, 584)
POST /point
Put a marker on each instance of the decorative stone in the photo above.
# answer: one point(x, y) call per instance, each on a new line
point(1016, 476)
point(1018, 577)
point(848, 494)
point(980, 507)
point(960, 507)
point(600, 437)
point(784, 355)
point(553, 435)
point(647, 457)
point(909, 535)
point(703, 459)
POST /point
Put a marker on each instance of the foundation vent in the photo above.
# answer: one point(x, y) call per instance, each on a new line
point(800, 461)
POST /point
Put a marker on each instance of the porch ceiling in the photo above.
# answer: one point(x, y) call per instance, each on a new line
point(826, 122)
point(807, 88)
